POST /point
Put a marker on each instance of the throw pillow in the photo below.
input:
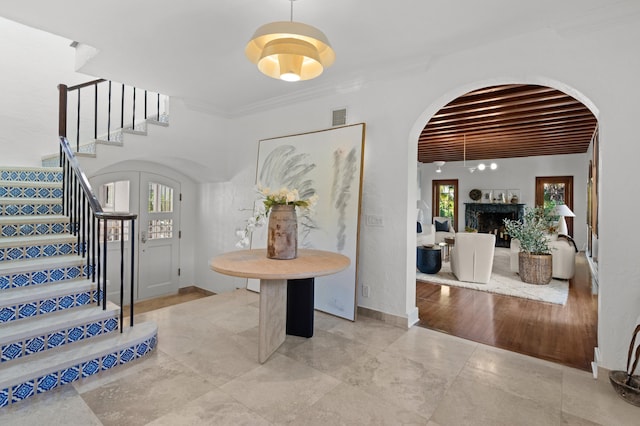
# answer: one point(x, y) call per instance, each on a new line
point(419, 228)
point(442, 226)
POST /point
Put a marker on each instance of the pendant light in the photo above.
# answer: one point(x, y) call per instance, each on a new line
point(480, 166)
point(290, 51)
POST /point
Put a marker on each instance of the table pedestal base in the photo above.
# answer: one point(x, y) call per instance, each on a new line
point(300, 307)
point(273, 317)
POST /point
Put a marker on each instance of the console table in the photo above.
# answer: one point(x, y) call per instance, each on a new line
point(273, 275)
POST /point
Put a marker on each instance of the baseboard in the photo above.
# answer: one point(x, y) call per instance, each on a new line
point(594, 364)
point(195, 289)
point(394, 320)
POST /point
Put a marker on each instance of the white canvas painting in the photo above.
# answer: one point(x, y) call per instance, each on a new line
point(327, 163)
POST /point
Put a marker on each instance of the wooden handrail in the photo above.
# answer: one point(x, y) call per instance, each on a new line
point(88, 83)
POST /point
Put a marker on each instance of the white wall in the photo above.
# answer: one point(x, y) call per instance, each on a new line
point(516, 173)
point(33, 64)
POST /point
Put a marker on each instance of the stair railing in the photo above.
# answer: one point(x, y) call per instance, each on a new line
point(103, 96)
point(86, 218)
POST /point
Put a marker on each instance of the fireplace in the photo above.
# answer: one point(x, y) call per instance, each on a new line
point(488, 218)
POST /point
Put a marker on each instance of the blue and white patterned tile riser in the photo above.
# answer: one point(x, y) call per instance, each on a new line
point(33, 229)
point(66, 375)
point(31, 175)
point(30, 209)
point(42, 307)
point(32, 252)
point(56, 338)
point(7, 191)
point(41, 277)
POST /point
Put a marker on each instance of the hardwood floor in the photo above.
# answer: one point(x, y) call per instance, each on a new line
point(185, 294)
point(563, 334)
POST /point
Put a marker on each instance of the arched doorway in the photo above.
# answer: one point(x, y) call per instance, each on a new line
point(461, 147)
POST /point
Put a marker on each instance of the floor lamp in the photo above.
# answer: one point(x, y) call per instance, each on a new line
point(563, 211)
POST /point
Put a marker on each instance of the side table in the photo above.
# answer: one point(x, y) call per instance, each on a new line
point(449, 243)
point(273, 275)
point(429, 260)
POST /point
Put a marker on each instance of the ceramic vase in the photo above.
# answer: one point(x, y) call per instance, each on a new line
point(282, 238)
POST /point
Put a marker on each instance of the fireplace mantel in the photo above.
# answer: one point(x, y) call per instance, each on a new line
point(487, 217)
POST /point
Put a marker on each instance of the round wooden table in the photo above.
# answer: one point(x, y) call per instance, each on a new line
point(273, 275)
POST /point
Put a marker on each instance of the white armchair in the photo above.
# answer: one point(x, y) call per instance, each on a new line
point(427, 236)
point(443, 228)
point(472, 256)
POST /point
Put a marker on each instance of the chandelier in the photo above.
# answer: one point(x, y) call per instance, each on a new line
point(290, 51)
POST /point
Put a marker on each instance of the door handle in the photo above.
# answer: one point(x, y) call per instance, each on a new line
point(143, 237)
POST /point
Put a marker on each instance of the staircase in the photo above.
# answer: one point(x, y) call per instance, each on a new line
point(53, 330)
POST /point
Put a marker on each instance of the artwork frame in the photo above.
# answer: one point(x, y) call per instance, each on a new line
point(487, 196)
point(328, 163)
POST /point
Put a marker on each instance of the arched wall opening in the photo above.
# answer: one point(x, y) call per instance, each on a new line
point(445, 98)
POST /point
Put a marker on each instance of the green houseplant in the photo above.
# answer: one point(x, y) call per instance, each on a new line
point(534, 259)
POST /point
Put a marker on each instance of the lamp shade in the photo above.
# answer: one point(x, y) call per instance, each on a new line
point(290, 51)
point(563, 210)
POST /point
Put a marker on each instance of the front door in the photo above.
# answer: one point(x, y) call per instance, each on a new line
point(159, 221)
point(155, 199)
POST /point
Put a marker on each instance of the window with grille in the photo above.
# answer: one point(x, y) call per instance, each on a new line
point(160, 228)
point(160, 203)
point(160, 198)
point(114, 197)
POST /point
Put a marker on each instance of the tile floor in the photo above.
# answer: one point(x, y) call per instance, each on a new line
point(205, 372)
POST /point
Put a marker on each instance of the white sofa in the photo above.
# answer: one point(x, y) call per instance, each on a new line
point(472, 256)
point(563, 258)
point(441, 235)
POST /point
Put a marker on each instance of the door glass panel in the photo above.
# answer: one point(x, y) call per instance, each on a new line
point(114, 197)
point(446, 201)
point(554, 193)
point(160, 198)
point(160, 228)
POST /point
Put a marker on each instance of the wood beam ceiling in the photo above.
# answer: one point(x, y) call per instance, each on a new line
point(507, 121)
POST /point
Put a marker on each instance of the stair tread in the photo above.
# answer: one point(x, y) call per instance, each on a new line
point(24, 265)
point(30, 240)
point(12, 200)
point(47, 238)
point(36, 326)
point(19, 295)
point(30, 169)
point(26, 219)
point(30, 183)
point(40, 364)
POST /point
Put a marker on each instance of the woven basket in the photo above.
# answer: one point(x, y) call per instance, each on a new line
point(535, 268)
point(624, 382)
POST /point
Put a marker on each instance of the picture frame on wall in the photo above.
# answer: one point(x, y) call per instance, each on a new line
point(487, 196)
point(326, 163)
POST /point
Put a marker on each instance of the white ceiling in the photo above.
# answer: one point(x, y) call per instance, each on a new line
point(194, 49)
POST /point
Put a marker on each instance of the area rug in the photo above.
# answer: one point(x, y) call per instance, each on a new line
point(503, 281)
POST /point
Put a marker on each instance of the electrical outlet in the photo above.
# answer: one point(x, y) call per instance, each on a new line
point(375, 220)
point(366, 290)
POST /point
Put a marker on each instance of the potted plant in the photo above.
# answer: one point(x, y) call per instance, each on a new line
point(534, 259)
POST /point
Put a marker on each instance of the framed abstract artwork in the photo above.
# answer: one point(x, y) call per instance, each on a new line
point(326, 163)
